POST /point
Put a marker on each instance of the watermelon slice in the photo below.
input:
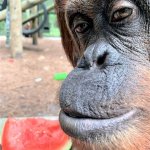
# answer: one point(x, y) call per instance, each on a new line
point(34, 134)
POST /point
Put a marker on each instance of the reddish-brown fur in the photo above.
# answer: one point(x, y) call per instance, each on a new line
point(71, 49)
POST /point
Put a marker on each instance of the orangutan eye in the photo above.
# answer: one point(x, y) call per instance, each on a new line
point(121, 14)
point(82, 27)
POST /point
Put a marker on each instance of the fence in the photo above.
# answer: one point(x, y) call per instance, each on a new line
point(51, 29)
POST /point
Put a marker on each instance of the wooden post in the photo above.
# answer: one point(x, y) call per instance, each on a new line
point(16, 28)
point(7, 26)
point(34, 25)
point(40, 33)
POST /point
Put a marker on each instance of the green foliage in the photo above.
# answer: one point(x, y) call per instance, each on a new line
point(54, 30)
point(2, 28)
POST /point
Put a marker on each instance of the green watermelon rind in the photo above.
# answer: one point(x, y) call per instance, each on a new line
point(67, 146)
point(2, 123)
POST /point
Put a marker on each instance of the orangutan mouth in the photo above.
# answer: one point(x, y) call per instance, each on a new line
point(84, 127)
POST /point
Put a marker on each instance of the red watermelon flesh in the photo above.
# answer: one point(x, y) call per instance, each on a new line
point(33, 134)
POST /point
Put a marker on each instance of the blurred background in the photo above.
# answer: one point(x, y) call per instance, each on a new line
point(32, 61)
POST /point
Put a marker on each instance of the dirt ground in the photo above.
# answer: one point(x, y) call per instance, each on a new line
point(27, 87)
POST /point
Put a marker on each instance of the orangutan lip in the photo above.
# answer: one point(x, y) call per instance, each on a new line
point(83, 126)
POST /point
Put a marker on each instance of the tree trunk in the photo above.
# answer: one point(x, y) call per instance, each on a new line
point(16, 28)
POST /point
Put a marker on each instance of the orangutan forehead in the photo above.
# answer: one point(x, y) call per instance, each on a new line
point(87, 4)
point(80, 6)
point(77, 4)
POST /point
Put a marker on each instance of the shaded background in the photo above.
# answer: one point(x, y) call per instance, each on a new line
point(27, 85)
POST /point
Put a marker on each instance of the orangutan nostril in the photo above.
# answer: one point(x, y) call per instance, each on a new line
point(101, 59)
